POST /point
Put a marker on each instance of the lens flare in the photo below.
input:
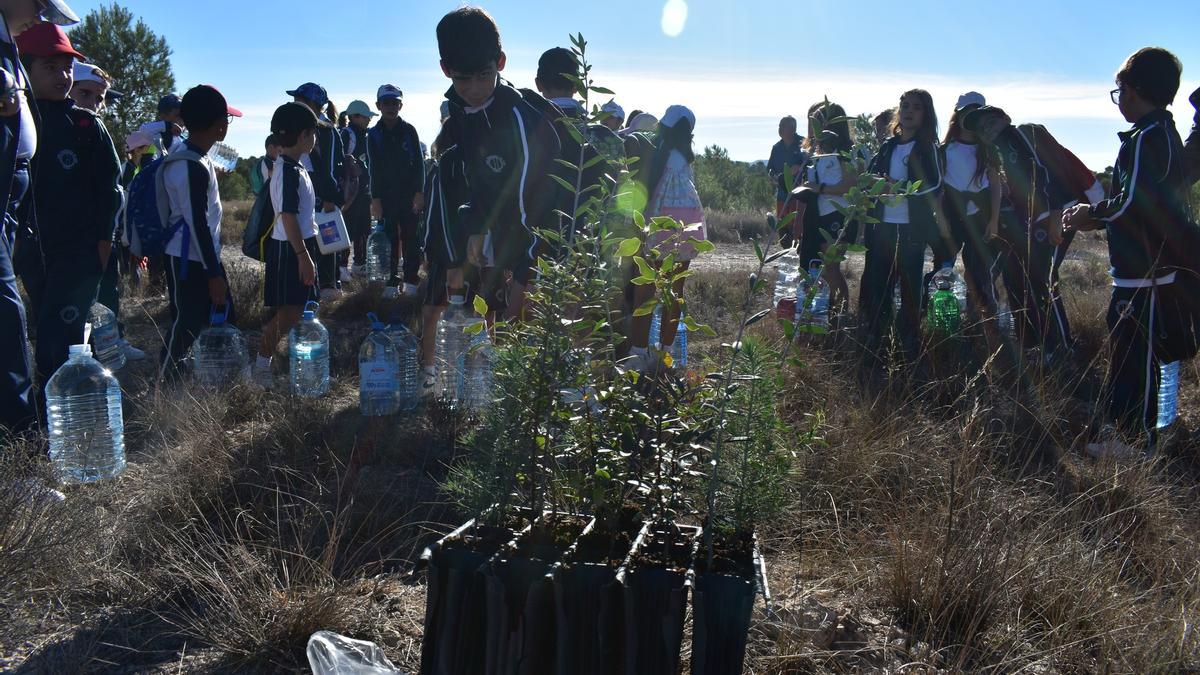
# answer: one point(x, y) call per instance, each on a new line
point(674, 17)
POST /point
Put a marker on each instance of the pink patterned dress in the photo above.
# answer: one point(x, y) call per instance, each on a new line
point(676, 196)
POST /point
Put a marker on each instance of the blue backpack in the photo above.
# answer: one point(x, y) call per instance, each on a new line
point(147, 213)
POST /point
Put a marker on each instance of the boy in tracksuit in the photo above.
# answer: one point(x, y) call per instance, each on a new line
point(358, 212)
point(75, 171)
point(1146, 218)
point(510, 147)
point(196, 284)
point(1039, 188)
point(397, 181)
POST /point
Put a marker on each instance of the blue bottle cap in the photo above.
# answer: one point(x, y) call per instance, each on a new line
point(376, 324)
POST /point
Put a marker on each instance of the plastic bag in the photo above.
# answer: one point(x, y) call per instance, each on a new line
point(333, 654)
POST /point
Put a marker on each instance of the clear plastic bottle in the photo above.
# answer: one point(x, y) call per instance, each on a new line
point(87, 430)
point(452, 346)
point(379, 254)
point(219, 353)
point(408, 348)
point(308, 355)
point(378, 373)
point(477, 372)
point(816, 311)
point(1168, 394)
point(106, 337)
point(787, 281)
point(678, 345)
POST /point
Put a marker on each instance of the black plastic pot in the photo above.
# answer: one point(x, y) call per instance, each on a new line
point(589, 603)
point(520, 603)
point(722, 606)
point(455, 601)
point(656, 579)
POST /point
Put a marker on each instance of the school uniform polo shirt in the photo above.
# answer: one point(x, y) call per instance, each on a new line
point(292, 192)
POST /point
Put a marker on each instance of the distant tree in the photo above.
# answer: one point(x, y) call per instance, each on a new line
point(728, 185)
point(233, 186)
point(138, 60)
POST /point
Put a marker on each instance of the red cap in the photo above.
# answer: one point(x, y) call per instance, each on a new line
point(229, 110)
point(46, 39)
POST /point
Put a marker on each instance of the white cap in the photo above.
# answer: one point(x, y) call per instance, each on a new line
point(643, 122)
point(970, 98)
point(676, 113)
point(138, 139)
point(86, 72)
point(614, 109)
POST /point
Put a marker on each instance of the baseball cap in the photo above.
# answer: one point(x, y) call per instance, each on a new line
point(87, 72)
point(46, 39)
point(169, 102)
point(204, 104)
point(971, 98)
point(138, 139)
point(388, 92)
point(643, 122)
point(556, 62)
point(58, 13)
point(311, 91)
point(357, 107)
point(676, 113)
point(291, 118)
point(614, 109)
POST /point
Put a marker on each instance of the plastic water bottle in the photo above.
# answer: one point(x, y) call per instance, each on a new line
point(219, 353)
point(815, 313)
point(452, 346)
point(1168, 394)
point(408, 349)
point(678, 346)
point(378, 373)
point(950, 279)
point(308, 355)
point(477, 372)
point(1004, 319)
point(787, 282)
point(947, 300)
point(106, 337)
point(379, 254)
point(87, 431)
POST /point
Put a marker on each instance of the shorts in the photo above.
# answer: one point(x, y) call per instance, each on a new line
point(817, 227)
point(282, 287)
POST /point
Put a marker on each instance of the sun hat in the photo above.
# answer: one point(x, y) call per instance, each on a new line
point(358, 107)
point(971, 98)
point(676, 113)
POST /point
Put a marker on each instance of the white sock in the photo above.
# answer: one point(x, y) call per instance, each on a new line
point(263, 362)
point(429, 370)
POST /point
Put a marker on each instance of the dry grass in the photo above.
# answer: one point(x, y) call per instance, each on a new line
point(948, 522)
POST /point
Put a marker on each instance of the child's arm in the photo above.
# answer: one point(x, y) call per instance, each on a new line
point(106, 191)
point(291, 227)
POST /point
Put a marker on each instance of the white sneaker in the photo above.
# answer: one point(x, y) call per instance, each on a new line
point(428, 384)
point(331, 294)
point(131, 353)
point(359, 271)
point(263, 377)
point(410, 290)
point(344, 274)
point(389, 292)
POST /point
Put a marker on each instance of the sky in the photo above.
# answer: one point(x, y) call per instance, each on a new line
point(739, 65)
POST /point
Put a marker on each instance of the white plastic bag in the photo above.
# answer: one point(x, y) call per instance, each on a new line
point(333, 654)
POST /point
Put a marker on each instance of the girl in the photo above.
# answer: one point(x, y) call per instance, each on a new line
point(829, 176)
point(907, 223)
point(672, 188)
point(291, 279)
point(325, 166)
point(971, 206)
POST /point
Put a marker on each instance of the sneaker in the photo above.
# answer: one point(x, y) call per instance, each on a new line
point(263, 377)
point(359, 271)
point(331, 294)
point(1110, 446)
point(428, 385)
point(344, 274)
point(131, 353)
point(389, 293)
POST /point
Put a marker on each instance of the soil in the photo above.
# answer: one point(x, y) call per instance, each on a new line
point(547, 542)
point(731, 555)
point(665, 547)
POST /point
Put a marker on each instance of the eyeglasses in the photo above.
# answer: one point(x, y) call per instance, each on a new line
point(1115, 95)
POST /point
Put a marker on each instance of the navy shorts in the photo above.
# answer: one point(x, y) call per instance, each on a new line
point(282, 285)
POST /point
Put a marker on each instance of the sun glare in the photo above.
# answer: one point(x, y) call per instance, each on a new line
point(674, 17)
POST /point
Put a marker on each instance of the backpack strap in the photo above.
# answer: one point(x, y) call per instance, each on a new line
point(164, 205)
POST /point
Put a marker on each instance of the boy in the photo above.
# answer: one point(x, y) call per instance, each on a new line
point(397, 180)
point(91, 86)
point(510, 148)
point(261, 175)
point(787, 157)
point(358, 211)
point(166, 130)
point(291, 278)
point(196, 284)
point(75, 171)
point(1145, 218)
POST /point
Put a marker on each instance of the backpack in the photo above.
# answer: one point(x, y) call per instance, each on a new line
point(256, 178)
point(147, 213)
point(259, 227)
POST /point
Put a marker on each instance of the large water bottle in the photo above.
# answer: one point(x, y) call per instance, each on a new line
point(787, 283)
point(308, 355)
point(87, 432)
point(408, 348)
point(947, 300)
point(815, 312)
point(106, 337)
point(452, 346)
point(1168, 394)
point(949, 279)
point(379, 254)
point(477, 372)
point(219, 353)
point(378, 373)
point(678, 346)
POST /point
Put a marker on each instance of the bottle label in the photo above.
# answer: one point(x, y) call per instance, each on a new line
point(377, 378)
point(105, 339)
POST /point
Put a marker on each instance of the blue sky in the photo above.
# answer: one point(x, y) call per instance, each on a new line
point(739, 65)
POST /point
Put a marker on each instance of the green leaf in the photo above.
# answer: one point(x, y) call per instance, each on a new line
point(776, 255)
point(704, 246)
point(561, 181)
point(756, 318)
point(602, 90)
point(758, 252)
point(639, 220)
point(647, 308)
point(475, 328)
point(628, 247)
point(567, 164)
point(480, 305)
point(856, 248)
point(789, 328)
point(644, 267)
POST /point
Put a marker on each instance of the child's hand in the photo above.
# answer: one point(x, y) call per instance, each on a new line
point(1078, 218)
point(10, 102)
point(308, 271)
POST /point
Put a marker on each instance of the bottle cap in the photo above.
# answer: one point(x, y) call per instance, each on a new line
point(458, 300)
point(376, 324)
point(76, 350)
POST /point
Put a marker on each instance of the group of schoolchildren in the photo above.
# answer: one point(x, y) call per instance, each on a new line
point(1010, 199)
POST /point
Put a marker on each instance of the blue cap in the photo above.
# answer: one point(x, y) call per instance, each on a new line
point(311, 91)
point(376, 324)
point(310, 309)
point(169, 102)
point(389, 92)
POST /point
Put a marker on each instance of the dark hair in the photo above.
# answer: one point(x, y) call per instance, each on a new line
point(468, 40)
point(271, 141)
point(828, 117)
point(551, 66)
point(789, 118)
point(884, 117)
point(678, 137)
point(986, 153)
point(1153, 73)
point(927, 134)
point(290, 121)
point(202, 108)
point(331, 112)
point(630, 117)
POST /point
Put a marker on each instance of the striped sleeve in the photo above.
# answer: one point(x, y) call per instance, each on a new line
point(291, 189)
